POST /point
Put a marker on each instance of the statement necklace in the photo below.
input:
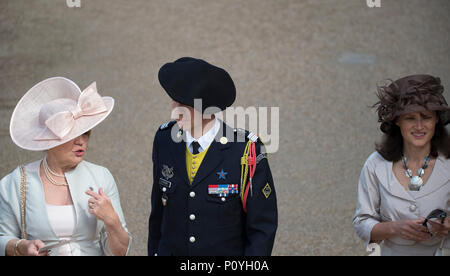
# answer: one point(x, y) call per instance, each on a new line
point(416, 181)
point(48, 173)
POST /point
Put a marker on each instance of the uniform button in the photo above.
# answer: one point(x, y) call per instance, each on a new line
point(223, 199)
point(192, 239)
point(193, 162)
point(192, 217)
point(193, 167)
point(192, 194)
point(164, 189)
point(412, 208)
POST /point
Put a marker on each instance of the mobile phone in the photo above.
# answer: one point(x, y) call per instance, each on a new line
point(53, 245)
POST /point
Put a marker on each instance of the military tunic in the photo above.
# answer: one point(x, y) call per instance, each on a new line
point(193, 219)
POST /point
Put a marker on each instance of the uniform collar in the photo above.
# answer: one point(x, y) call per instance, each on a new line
point(206, 140)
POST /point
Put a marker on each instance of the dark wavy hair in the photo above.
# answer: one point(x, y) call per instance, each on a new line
point(391, 146)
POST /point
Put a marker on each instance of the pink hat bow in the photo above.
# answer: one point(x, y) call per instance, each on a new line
point(61, 123)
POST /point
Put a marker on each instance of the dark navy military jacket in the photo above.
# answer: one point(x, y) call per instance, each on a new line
point(195, 221)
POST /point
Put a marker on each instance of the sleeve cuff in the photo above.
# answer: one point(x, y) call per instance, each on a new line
point(104, 243)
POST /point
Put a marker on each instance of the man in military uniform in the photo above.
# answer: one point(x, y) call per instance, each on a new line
point(213, 192)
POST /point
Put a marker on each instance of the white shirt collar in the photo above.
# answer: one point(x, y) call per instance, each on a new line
point(206, 140)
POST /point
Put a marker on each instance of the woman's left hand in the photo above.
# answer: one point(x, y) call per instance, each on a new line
point(440, 229)
point(101, 207)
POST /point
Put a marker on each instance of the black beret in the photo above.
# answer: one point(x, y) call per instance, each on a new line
point(189, 78)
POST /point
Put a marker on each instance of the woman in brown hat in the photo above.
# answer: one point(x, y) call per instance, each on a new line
point(60, 205)
point(408, 176)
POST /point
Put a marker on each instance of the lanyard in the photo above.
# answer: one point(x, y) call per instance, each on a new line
point(248, 165)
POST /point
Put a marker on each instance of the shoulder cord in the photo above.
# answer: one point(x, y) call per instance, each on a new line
point(248, 163)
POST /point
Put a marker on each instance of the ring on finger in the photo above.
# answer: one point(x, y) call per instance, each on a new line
point(91, 205)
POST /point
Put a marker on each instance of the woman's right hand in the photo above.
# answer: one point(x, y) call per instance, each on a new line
point(31, 248)
point(411, 230)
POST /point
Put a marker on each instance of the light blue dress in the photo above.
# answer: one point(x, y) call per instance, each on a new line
point(89, 236)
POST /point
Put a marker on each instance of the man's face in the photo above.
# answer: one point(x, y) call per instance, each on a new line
point(184, 115)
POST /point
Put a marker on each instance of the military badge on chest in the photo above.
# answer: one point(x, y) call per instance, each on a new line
point(164, 183)
point(222, 190)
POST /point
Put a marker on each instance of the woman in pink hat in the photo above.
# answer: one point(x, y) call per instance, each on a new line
point(60, 205)
point(404, 187)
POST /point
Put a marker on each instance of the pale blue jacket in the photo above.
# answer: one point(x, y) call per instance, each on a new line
point(89, 236)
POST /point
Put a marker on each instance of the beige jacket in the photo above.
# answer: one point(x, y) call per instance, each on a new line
point(382, 198)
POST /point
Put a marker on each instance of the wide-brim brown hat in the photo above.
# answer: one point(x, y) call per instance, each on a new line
point(55, 111)
point(414, 93)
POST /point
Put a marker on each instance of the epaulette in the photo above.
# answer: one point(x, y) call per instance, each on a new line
point(250, 135)
point(167, 125)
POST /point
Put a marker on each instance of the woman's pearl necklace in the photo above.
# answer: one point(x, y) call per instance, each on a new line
point(48, 172)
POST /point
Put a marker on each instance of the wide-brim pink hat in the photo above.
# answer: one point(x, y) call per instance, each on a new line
point(55, 111)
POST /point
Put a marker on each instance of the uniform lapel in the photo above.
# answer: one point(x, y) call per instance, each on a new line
point(178, 150)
